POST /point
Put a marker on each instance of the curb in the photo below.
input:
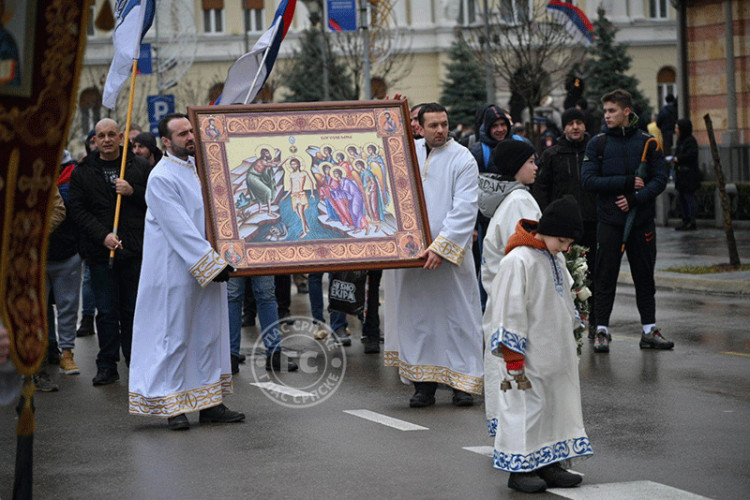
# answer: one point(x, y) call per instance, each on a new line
point(675, 281)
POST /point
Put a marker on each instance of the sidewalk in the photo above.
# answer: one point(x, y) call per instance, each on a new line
point(706, 246)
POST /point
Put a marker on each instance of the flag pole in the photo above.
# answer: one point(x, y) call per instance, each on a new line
point(124, 157)
point(260, 68)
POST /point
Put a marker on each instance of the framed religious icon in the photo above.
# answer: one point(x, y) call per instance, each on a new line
point(310, 187)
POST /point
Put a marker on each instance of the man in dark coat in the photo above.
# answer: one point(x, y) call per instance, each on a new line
point(666, 120)
point(560, 175)
point(610, 170)
point(687, 173)
point(94, 187)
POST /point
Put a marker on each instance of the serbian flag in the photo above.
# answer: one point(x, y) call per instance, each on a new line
point(256, 65)
point(574, 20)
point(133, 18)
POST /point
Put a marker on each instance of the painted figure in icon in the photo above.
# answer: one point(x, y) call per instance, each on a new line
point(411, 247)
point(212, 131)
point(330, 191)
point(299, 183)
point(389, 125)
point(260, 179)
point(375, 195)
point(353, 196)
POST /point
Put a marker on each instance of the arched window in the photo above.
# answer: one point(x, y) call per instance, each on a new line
point(90, 107)
point(666, 81)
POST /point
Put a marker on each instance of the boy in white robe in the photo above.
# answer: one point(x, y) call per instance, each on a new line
point(504, 197)
point(531, 318)
point(180, 355)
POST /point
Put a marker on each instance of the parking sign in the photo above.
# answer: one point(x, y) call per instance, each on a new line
point(158, 107)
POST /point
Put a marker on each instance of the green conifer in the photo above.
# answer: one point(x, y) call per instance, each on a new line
point(463, 91)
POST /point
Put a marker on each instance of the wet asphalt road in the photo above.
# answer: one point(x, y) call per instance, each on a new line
point(678, 418)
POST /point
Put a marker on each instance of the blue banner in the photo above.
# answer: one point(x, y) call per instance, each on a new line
point(144, 61)
point(341, 15)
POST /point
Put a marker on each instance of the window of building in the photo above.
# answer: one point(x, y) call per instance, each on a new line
point(254, 18)
point(666, 81)
point(658, 9)
point(515, 11)
point(467, 14)
point(89, 108)
point(213, 16)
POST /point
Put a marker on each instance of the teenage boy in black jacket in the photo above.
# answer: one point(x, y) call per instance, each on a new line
point(94, 187)
point(609, 170)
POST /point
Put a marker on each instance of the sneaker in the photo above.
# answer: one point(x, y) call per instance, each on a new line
point(557, 477)
point(87, 326)
point(43, 383)
point(592, 331)
point(220, 414)
point(273, 362)
point(527, 482)
point(106, 376)
point(67, 365)
point(53, 354)
point(462, 399)
point(302, 287)
point(341, 336)
point(321, 332)
point(601, 342)
point(655, 340)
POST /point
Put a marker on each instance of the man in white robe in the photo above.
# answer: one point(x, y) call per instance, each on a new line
point(180, 357)
point(433, 315)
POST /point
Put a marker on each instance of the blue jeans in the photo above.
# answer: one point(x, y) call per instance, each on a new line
point(315, 289)
point(115, 291)
point(88, 301)
point(63, 279)
point(264, 291)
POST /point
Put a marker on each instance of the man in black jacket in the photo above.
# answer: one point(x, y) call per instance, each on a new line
point(610, 170)
point(560, 175)
point(666, 120)
point(94, 187)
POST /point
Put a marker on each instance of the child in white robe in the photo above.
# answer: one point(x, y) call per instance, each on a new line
point(531, 316)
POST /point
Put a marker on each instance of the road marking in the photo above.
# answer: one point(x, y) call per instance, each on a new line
point(282, 389)
point(487, 451)
point(632, 489)
point(401, 425)
point(732, 353)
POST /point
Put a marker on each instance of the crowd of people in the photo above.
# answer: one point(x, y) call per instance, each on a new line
point(490, 313)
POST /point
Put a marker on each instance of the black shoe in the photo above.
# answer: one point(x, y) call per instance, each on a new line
point(462, 399)
point(528, 482)
point(601, 342)
point(242, 358)
point(235, 360)
point(106, 376)
point(178, 422)
point(220, 414)
point(248, 321)
point(557, 477)
point(341, 336)
point(302, 287)
point(691, 227)
point(421, 400)
point(681, 227)
point(372, 345)
point(53, 354)
point(655, 340)
point(87, 326)
point(273, 362)
point(284, 318)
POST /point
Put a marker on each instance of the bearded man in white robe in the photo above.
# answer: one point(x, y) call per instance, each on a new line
point(433, 315)
point(180, 357)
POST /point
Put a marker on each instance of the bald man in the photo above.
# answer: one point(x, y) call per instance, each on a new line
point(94, 187)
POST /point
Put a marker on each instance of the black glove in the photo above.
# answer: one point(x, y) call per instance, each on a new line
point(223, 276)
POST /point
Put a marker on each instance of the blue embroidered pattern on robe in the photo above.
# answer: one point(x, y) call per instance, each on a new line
point(511, 340)
point(562, 450)
point(557, 275)
point(492, 426)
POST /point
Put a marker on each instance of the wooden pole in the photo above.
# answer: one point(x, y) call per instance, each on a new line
point(734, 256)
point(125, 149)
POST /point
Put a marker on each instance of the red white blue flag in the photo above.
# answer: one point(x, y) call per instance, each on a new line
point(133, 18)
point(256, 65)
point(574, 20)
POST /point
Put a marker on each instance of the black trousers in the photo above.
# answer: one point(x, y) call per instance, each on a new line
point(641, 250)
point(283, 292)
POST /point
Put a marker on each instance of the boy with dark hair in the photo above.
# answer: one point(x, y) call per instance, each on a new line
point(529, 323)
point(611, 170)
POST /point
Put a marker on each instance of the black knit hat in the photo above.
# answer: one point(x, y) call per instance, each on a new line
point(509, 156)
point(571, 114)
point(562, 218)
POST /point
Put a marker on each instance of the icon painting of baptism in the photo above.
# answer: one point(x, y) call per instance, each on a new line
point(315, 187)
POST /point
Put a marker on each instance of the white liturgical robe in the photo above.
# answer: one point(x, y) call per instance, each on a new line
point(433, 329)
point(180, 355)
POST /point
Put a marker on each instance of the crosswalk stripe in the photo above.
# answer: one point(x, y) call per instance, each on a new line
point(487, 451)
point(401, 425)
point(732, 353)
point(626, 490)
point(282, 389)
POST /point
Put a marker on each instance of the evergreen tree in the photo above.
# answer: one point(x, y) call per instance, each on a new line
point(304, 76)
point(464, 89)
point(607, 66)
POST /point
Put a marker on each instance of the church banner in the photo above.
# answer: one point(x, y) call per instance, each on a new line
point(310, 187)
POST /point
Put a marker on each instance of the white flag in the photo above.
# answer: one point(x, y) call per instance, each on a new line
point(133, 19)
